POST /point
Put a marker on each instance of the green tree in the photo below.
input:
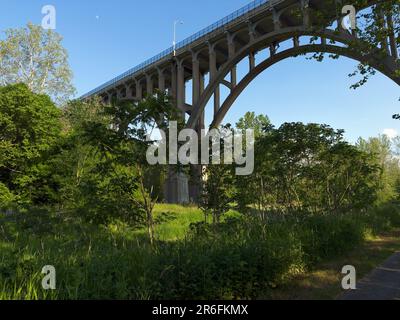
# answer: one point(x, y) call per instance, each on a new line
point(36, 57)
point(382, 154)
point(376, 35)
point(29, 129)
point(106, 154)
point(258, 123)
point(308, 168)
point(217, 190)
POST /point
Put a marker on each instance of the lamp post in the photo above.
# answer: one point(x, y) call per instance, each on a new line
point(174, 43)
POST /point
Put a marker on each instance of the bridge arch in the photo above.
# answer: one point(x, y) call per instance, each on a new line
point(387, 66)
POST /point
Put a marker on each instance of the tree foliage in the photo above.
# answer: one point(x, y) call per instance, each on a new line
point(307, 168)
point(29, 130)
point(377, 35)
point(36, 57)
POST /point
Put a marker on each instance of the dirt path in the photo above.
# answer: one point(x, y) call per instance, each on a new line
point(383, 283)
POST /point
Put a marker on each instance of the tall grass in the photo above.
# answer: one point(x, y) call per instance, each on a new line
point(240, 258)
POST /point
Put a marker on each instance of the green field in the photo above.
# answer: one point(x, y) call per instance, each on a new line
point(236, 259)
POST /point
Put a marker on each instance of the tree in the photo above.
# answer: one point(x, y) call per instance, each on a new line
point(113, 182)
point(375, 38)
point(36, 57)
point(217, 189)
point(382, 154)
point(308, 168)
point(29, 129)
point(258, 123)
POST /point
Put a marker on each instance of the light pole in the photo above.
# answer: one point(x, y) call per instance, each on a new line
point(174, 43)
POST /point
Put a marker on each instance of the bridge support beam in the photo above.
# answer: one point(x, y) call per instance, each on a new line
point(213, 73)
point(252, 61)
point(231, 54)
point(176, 189)
point(306, 12)
point(128, 92)
point(181, 88)
point(195, 78)
point(149, 84)
point(161, 80)
point(139, 90)
point(173, 82)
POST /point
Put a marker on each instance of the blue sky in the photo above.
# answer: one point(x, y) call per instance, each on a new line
point(105, 38)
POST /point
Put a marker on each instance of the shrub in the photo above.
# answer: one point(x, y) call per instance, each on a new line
point(324, 237)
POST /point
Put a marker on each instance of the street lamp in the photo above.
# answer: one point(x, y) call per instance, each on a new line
point(174, 43)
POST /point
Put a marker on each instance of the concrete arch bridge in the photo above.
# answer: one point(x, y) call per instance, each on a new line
point(217, 50)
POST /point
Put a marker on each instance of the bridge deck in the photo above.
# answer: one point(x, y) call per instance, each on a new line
point(221, 25)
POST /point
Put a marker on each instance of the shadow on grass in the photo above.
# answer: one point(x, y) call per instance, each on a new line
point(324, 281)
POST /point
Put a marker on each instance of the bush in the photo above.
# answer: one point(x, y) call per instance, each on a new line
point(233, 260)
point(324, 237)
point(382, 218)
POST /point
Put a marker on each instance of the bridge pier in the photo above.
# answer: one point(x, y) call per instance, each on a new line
point(176, 189)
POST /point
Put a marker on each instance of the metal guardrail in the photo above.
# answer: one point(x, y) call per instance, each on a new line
point(219, 24)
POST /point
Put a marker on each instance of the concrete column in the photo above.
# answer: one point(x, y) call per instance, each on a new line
point(174, 82)
point(231, 52)
point(296, 42)
point(272, 50)
point(252, 61)
point(217, 99)
point(181, 86)
point(128, 91)
point(161, 80)
point(276, 20)
point(195, 181)
point(212, 61)
point(149, 84)
point(177, 183)
point(139, 90)
point(252, 31)
point(213, 73)
point(176, 188)
point(119, 94)
point(201, 88)
point(195, 79)
point(306, 13)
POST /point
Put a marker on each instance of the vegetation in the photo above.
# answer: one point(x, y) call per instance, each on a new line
point(238, 258)
point(376, 35)
point(36, 57)
point(107, 238)
point(77, 192)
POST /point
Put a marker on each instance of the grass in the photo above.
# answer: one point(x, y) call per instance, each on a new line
point(238, 259)
point(173, 221)
point(324, 281)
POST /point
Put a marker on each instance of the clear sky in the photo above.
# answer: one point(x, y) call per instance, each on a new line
point(105, 38)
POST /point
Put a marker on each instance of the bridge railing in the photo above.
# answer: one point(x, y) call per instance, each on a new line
point(215, 26)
